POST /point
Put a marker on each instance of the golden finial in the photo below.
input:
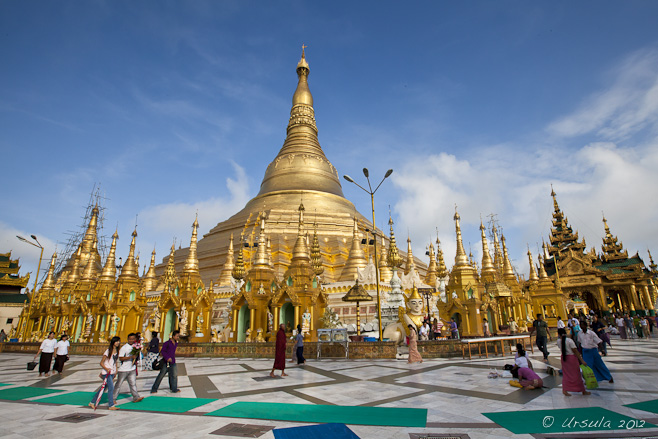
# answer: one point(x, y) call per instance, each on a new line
point(414, 294)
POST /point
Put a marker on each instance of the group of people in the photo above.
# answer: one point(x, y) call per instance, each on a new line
point(52, 348)
point(635, 327)
point(120, 362)
point(582, 347)
point(280, 350)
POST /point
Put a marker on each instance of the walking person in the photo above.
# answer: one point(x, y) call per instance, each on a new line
point(3, 336)
point(109, 366)
point(541, 328)
point(560, 323)
point(572, 380)
point(300, 345)
point(169, 366)
point(628, 321)
point(644, 326)
point(128, 369)
point(61, 353)
point(621, 327)
point(599, 329)
point(590, 344)
point(414, 355)
point(47, 349)
point(153, 351)
point(280, 351)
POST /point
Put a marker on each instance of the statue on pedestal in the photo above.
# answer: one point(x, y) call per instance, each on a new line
point(412, 314)
point(115, 325)
point(183, 321)
point(199, 325)
point(306, 322)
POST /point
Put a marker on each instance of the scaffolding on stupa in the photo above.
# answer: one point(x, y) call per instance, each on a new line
point(96, 198)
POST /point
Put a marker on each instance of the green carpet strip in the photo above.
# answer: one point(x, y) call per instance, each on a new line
point(17, 393)
point(353, 415)
point(647, 406)
point(78, 398)
point(565, 420)
point(172, 404)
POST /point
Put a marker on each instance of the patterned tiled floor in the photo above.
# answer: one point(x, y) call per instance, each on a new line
point(456, 392)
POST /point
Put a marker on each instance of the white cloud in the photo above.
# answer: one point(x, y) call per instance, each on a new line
point(513, 181)
point(629, 105)
point(161, 223)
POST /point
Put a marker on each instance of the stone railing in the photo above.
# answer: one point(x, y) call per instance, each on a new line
point(357, 350)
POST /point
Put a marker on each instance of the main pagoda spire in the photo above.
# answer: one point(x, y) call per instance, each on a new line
point(301, 163)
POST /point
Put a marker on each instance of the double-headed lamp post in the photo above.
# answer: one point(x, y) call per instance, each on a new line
point(36, 278)
point(374, 232)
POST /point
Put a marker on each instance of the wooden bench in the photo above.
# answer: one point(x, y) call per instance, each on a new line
point(468, 342)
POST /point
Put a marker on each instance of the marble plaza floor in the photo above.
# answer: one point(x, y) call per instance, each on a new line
point(454, 391)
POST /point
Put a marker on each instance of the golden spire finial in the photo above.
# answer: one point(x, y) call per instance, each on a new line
point(533, 273)
point(430, 279)
point(394, 259)
point(150, 280)
point(488, 269)
point(316, 255)
point(192, 262)
point(261, 254)
point(49, 283)
point(356, 258)
point(414, 294)
point(109, 273)
point(542, 270)
point(508, 272)
point(300, 250)
point(74, 276)
point(461, 259)
point(410, 258)
point(239, 270)
point(130, 270)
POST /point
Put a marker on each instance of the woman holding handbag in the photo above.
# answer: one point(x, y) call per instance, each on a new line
point(572, 380)
point(61, 353)
point(46, 350)
point(109, 365)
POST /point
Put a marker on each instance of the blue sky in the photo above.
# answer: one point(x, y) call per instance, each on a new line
point(178, 107)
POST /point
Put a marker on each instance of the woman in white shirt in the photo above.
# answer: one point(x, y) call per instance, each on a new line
point(61, 353)
point(590, 344)
point(109, 365)
point(46, 350)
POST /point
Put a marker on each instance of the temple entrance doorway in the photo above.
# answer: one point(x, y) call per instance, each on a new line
point(78, 328)
point(287, 315)
point(170, 324)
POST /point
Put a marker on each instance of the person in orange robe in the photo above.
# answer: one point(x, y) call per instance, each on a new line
point(280, 352)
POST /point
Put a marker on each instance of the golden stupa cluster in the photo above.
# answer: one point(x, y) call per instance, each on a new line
point(285, 271)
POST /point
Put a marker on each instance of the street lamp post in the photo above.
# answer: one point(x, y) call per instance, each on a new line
point(36, 278)
point(374, 232)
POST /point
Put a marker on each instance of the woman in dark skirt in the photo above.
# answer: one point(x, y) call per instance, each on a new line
point(47, 349)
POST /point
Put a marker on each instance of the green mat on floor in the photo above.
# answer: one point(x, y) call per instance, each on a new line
point(354, 415)
point(171, 404)
point(78, 398)
point(17, 393)
point(565, 420)
point(647, 406)
point(4, 384)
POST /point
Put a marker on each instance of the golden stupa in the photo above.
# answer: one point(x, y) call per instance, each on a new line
point(300, 172)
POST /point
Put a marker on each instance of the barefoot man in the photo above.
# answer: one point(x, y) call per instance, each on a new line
point(280, 352)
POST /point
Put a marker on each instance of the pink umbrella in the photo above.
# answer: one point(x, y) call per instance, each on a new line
point(100, 393)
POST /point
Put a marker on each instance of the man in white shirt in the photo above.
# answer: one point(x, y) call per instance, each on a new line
point(61, 353)
point(560, 323)
point(424, 331)
point(128, 370)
